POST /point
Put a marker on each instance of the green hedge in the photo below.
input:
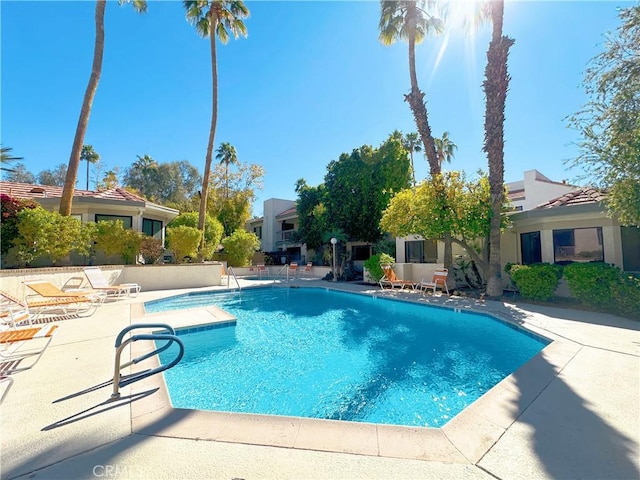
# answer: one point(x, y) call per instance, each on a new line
point(537, 281)
point(604, 287)
point(374, 262)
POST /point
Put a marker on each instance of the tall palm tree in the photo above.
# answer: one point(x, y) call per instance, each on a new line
point(445, 148)
point(87, 102)
point(495, 87)
point(411, 142)
point(409, 20)
point(226, 153)
point(146, 168)
point(214, 18)
point(7, 157)
point(89, 155)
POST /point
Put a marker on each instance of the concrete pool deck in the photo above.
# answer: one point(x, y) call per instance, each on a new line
point(572, 412)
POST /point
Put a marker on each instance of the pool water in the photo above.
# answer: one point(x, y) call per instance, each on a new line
point(316, 353)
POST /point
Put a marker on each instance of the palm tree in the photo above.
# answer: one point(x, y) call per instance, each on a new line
point(146, 168)
point(411, 142)
point(226, 153)
point(495, 87)
point(445, 148)
point(409, 20)
point(89, 155)
point(7, 157)
point(87, 102)
point(214, 18)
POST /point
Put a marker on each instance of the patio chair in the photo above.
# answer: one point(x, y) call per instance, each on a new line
point(293, 270)
point(13, 340)
point(439, 280)
point(48, 297)
point(262, 270)
point(13, 312)
point(98, 281)
point(307, 270)
point(390, 279)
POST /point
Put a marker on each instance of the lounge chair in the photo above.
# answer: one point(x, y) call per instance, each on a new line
point(13, 340)
point(13, 312)
point(390, 279)
point(307, 270)
point(293, 270)
point(439, 280)
point(48, 297)
point(98, 281)
point(262, 270)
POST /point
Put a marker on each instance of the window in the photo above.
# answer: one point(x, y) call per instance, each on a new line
point(630, 248)
point(151, 227)
point(126, 221)
point(258, 232)
point(421, 251)
point(531, 249)
point(578, 245)
point(360, 252)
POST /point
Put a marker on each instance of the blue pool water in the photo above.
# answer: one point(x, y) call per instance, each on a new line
point(315, 353)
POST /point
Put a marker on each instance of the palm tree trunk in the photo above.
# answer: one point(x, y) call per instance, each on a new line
point(87, 174)
point(212, 135)
point(81, 129)
point(495, 86)
point(415, 97)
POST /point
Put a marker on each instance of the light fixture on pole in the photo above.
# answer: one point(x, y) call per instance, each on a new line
point(333, 242)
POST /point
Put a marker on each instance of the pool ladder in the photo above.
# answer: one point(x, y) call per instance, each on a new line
point(169, 337)
point(231, 273)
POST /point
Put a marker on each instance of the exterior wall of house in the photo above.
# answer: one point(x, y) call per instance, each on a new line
point(538, 191)
point(270, 226)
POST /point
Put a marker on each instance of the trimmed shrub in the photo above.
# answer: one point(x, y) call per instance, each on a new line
point(151, 249)
point(113, 239)
point(240, 247)
point(11, 207)
point(604, 287)
point(213, 230)
point(183, 241)
point(373, 265)
point(537, 281)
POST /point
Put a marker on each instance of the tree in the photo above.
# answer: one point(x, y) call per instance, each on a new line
point(214, 18)
point(312, 214)
point(359, 186)
point(110, 180)
point(96, 69)
point(112, 238)
point(227, 155)
point(445, 148)
point(409, 20)
point(55, 177)
point(142, 176)
point(89, 155)
point(464, 213)
point(609, 123)
point(20, 174)
point(232, 194)
point(7, 157)
point(11, 207)
point(411, 142)
point(495, 87)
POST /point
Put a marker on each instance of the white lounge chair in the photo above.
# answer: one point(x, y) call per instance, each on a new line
point(439, 280)
point(99, 282)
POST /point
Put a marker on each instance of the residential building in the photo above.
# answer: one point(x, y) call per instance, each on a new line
point(93, 206)
point(535, 189)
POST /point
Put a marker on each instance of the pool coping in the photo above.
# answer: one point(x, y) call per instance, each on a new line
point(464, 439)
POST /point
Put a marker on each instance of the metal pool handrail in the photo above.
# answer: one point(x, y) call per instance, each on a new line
point(170, 338)
point(230, 272)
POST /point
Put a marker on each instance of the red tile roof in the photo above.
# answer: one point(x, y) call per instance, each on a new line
point(27, 190)
point(581, 196)
point(288, 212)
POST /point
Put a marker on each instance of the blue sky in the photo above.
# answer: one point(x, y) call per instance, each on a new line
point(310, 82)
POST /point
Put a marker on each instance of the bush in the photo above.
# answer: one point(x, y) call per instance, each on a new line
point(213, 230)
point(373, 265)
point(240, 247)
point(48, 234)
point(113, 239)
point(538, 281)
point(9, 227)
point(151, 249)
point(183, 241)
point(604, 287)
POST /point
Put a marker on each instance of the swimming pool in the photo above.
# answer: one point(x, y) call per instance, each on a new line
point(315, 353)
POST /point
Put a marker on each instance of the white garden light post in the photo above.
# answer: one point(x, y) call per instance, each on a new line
point(333, 242)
